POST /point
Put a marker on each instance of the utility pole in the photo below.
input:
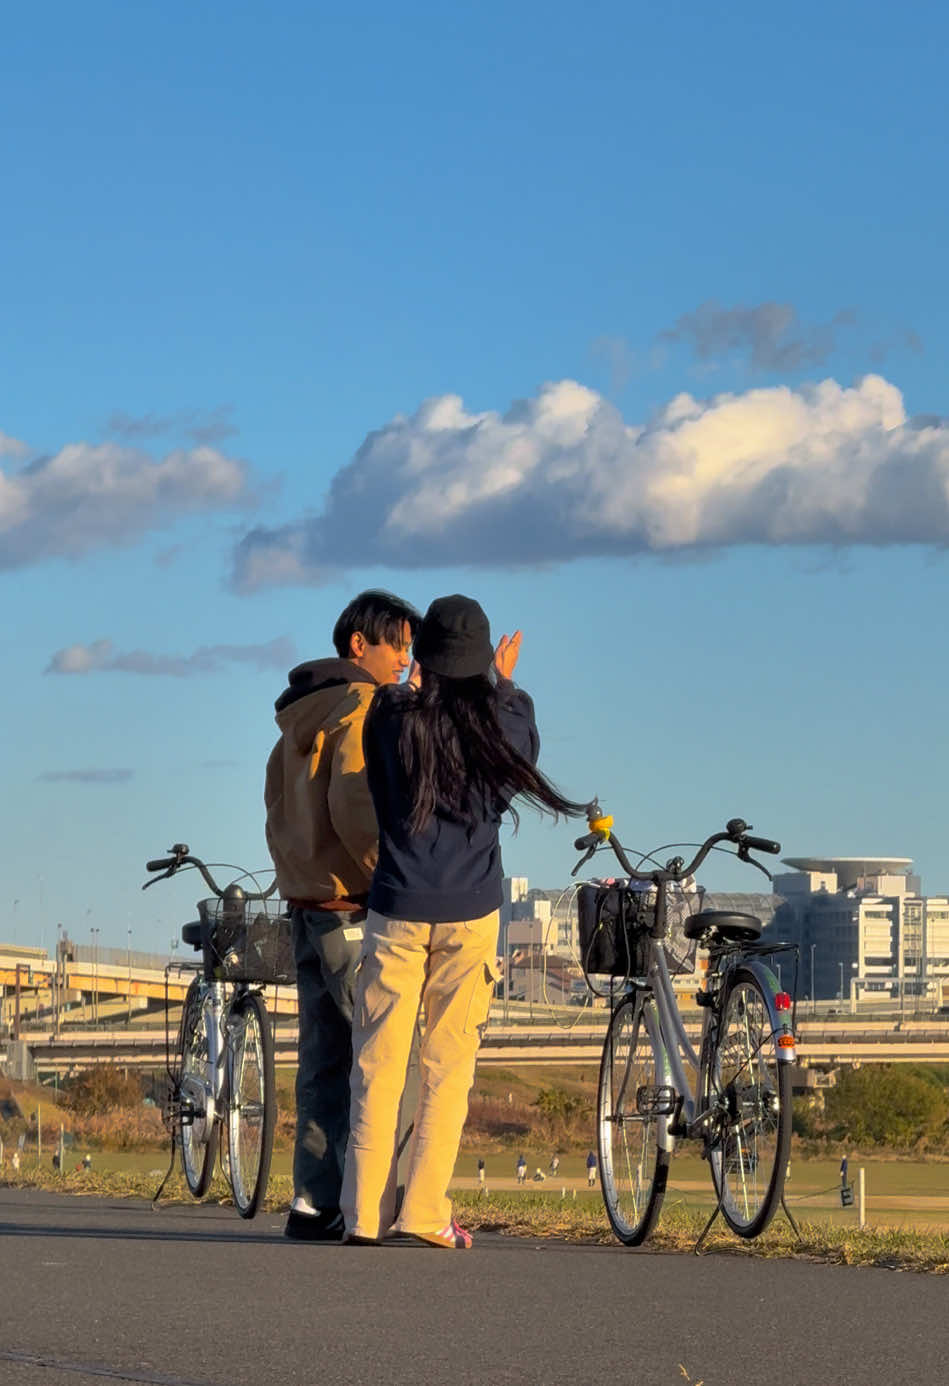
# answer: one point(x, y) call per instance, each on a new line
point(95, 975)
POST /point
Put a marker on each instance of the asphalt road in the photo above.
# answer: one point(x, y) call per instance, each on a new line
point(94, 1290)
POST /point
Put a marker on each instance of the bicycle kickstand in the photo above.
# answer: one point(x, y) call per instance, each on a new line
point(696, 1250)
point(790, 1217)
point(168, 1173)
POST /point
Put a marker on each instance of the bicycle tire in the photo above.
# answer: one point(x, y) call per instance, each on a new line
point(251, 1101)
point(198, 1143)
point(750, 1141)
point(633, 1167)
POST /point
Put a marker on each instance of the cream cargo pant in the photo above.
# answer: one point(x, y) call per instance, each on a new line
point(450, 970)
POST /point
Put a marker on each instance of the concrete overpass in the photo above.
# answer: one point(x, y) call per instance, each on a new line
point(821, 1045)
point(59, 993)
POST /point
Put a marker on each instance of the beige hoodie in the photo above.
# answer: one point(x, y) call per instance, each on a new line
point(321, 827)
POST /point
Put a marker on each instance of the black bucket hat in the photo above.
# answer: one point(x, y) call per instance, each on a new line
point(454, 638)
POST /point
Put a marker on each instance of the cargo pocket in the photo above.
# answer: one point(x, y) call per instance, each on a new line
point(482, 994)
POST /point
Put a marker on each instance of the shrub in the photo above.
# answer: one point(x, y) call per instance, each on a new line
point(884, 1105)
point(103, 1088)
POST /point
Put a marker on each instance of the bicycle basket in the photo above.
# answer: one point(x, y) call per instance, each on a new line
point(613, 923)
point(251, 941)
point(684, 898)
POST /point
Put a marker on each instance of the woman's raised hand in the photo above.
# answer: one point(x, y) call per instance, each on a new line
point(505, 656)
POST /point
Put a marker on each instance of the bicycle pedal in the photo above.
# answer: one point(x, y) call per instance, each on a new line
point(656, 1099)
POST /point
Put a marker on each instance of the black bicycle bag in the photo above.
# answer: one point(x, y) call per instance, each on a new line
point(613, 924)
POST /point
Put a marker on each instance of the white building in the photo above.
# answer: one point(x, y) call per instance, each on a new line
point(864, 928)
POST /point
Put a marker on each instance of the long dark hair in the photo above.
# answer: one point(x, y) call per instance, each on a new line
point(457, 757)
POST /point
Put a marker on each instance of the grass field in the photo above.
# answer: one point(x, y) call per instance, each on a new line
point(546, 1213)
point(900, 1193)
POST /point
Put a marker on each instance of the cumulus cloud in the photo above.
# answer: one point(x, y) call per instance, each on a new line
point(87, 776)
point(563, 476)
point(770, 334)
point(88, 497)
point(200, 425)
point(102, 657)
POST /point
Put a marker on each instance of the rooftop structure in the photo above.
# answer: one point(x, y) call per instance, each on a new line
point(849, 870)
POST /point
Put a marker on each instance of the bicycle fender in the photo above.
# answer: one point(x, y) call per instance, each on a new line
point(780, 1019)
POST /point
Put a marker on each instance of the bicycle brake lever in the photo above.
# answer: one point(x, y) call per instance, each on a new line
point(743, 855)
point(163, 877)
point(583, 860)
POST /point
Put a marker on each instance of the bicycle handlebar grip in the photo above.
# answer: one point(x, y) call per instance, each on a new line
point(590, 840)
point(160, 865)
point(763, 844)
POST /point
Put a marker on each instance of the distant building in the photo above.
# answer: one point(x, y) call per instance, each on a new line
point(864, 928)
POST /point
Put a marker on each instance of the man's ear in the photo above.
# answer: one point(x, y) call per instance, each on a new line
point(357, 645)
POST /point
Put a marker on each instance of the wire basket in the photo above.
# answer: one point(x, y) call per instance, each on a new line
point(614, 919)
point(251, 941)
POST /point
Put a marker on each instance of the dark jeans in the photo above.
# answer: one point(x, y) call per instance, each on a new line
point(327, 946)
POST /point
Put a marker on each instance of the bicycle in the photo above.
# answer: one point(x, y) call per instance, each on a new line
point(222, 1081)
point(739, 1105)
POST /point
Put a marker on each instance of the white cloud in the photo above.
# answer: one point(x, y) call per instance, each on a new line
point(562, 476)
point(87, 497)
point(101, 657)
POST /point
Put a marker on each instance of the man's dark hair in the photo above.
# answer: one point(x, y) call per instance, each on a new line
point(380, 617)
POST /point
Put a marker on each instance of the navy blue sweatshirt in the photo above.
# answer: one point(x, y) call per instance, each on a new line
point(451, 871)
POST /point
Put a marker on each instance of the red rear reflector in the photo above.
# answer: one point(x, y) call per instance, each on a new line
point(782, 1001)
point(785, 1041)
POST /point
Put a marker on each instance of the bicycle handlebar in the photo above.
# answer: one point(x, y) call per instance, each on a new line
point(736, 831)
point(762, 844)
point(180, 856)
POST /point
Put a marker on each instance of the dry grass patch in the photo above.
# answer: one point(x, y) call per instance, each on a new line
point(545, 1215)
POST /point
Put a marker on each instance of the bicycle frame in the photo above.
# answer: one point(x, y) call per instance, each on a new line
point(666, 1030)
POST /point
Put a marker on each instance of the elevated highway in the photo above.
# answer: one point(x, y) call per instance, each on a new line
point(821, 1045)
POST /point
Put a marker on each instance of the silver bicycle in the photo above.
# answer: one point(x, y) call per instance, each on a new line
point(734, 1095)
point(222, 1092)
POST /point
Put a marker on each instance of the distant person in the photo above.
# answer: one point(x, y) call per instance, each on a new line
point(322, 835)
point(554, 1164)
point(481, 1172)
point(15, 1160)
point(539, 1175)
point(591, 1170)
point(444, 762)
point(87, 1162)
point(521, 1169)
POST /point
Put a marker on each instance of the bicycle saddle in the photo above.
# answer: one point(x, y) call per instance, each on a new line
point(738, 928)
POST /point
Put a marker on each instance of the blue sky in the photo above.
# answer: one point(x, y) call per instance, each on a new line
point(671, 281)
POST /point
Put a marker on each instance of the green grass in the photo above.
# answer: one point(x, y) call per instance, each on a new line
point(545, 1213)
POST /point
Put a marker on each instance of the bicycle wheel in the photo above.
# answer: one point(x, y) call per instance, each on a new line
point(633, 1168)
point(251, 1101)
point(197, 1137)
point(750, 1137)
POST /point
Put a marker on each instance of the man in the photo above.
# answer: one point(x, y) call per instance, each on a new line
point(322, 835)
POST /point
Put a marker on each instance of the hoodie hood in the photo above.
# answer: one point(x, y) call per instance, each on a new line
point(317, 675)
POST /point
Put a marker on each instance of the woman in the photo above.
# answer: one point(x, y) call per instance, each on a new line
point(443, 763)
